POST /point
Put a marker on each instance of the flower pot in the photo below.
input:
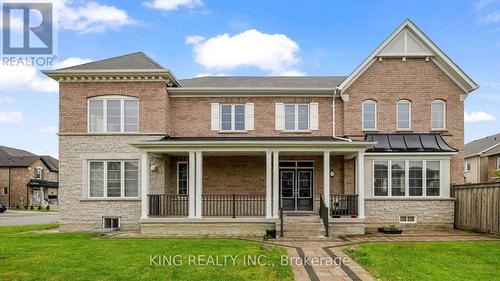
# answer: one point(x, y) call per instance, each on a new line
point(390, 231)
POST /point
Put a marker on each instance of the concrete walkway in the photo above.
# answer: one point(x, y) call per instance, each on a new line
point(320, 249)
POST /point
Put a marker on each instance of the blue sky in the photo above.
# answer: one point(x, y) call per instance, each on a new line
point(282, 37)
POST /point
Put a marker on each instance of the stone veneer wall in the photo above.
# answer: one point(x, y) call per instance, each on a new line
point(430, 213)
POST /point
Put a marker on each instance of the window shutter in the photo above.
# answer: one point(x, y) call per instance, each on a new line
point(249, 116)
point(280, 117)
point(215, 116)
point(313, 116)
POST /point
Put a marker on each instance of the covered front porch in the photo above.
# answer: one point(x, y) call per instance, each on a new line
point(249, 181)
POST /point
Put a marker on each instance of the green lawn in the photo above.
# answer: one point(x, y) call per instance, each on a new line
point(81, 256)
point(430, 260)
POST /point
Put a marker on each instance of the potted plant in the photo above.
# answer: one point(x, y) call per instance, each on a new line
point(391, 229)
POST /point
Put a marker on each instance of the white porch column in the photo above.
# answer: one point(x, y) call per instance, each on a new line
point(144, 185)
point(276, 184)
point(191, 184)
point(269, 184)
point(42, 197)
point(326, 177)
point(199, 183)
point(360, 183)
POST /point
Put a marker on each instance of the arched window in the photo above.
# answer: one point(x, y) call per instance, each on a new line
point(113, 114)
point(369, 115)
point(403, 115)
point(438, 115)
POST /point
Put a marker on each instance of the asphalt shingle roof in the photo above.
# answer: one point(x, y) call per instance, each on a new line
point(13, 157)
point(474, 147)
point(263, 82)
point(139, 61)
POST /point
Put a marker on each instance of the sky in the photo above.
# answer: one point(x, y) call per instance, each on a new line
point(237, 37)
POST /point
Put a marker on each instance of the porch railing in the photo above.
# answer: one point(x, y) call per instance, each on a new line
point(344, 204)
point(233, 205)
point(168, 205)
point(323, 214)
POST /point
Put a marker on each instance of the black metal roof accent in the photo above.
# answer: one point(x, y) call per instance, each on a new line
point(310, 138)
point(408, 143)
point(42, 183)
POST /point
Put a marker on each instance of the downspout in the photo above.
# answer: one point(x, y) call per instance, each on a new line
point(333, 112)
point(9, 190)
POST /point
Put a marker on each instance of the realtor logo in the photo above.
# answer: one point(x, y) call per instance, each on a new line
point(27, 29)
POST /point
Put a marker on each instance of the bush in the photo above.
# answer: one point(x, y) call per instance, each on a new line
point(32, 208)
point(39, 207)
point(47, 208)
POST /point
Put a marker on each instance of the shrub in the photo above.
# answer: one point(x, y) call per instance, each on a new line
point(32, 208)
point(47, 208)
point(39, 207)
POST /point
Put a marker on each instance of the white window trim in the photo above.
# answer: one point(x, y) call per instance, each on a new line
point(406, 221)
point(122, 100)
point(187, 178)
point(444, 115)
point(5, 191)
point(498, 162)
point(407, 179)
point(233, 114)
point(363, 114)
point(122, 179)
point(38, 169)
point(467, 166)
point(296, 126)
point(104, 222)
point(397, 115)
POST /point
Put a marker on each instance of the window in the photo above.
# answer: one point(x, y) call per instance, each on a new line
point(438, 115)
point(233, 117)
point(111, 223)
point(467, 166)
point(5, 191)
point(381, 178)
point(296, 117)
point(182, 178)
point(39, 173)
point(407, 219)
point(433, 178)
point(369, 115)
point(498, 163)
point(403, 115)
point(113, 114)
point(114, 178)
point(416, 174)
point(398, 178)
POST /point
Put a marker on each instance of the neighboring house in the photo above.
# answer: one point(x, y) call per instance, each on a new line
point(140, 148)
point(25, 177)
point(482, 160)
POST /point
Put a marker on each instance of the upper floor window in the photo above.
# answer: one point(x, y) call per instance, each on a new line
point(369, 115)
point(498, 163)
point(114, 178)
point(296, 117)
point(113, 114)
point(466, 166)
point(232, 117)
point(404, 115)
point(438, 115)
point(39, 173)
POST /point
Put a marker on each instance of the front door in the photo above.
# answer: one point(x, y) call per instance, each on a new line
point(296, 189)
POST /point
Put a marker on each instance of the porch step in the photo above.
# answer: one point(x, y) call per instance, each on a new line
point(307, 225)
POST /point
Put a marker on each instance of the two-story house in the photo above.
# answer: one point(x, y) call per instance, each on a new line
point(140, 148)
point(482, 160)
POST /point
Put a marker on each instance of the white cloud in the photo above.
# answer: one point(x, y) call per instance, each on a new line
point(90, 17)
point(6, 99)
point(275, 53)
point(205, 74)
point(71, 62)
point(48, 130)
point(169, 5)
point(488, 11)
point(477, 116)
point(11, 116)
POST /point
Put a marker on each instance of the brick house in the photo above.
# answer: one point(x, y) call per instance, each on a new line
point(25, 177)
point(482, 160)
point(140, 148)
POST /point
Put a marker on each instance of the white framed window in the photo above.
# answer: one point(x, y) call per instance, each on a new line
point(403, 178)
point(407, 219)
point(498, 162)
point(5, 191)
point(369, 115)
point(403, 115)
point(296, 117)
point(113, 114)
point(182, 178)
point(39, 173)
point(113, 179)
point(467, 166)
point(232, 117)
point(438, 115)
point(110, 223)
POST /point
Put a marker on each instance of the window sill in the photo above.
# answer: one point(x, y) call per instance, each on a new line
point(410, 198)
point(369, 130)
point(131, 199)
point(232, 132)
point(404, 130)
point(439, 130)
point(296, 132)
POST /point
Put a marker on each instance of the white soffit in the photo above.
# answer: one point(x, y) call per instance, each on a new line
point(409, 41)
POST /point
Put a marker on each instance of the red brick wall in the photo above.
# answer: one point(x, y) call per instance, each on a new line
point(19, 178)
point(418, 81)
point(153, 105)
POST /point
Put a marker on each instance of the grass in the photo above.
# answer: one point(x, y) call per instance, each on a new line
point(430, 260)
point(25, 228)
point(81, 256)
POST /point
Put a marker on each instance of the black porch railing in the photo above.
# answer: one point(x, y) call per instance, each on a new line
point(344, 204)
point(168, 205)
point(323, 214)
point(233, 205)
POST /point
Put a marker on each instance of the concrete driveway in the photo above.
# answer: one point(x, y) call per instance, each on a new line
point(11, 217)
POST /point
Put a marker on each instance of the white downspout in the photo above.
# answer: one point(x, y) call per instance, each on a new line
point(333, 112)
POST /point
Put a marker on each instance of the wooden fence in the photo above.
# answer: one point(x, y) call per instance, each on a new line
point(477, 206)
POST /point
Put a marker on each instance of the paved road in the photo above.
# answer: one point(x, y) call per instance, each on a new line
point(11, 217)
